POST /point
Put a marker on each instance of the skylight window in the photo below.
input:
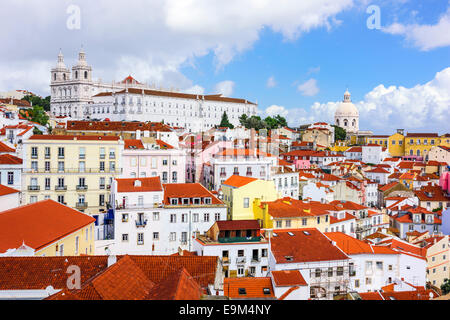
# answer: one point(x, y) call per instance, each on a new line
point(242, 291)
point(266, 291)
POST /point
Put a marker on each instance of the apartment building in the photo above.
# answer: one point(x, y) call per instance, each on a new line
point(72, 170)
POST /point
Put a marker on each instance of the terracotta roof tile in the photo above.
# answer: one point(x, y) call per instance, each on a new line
point(238, 181)
point(254, 288)
point(188, 190)
point(288, 278)
point(5, 190)
point(150, 184)
point(39, 224)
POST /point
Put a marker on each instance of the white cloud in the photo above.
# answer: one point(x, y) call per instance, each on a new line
point(225, 88)
point(271, 82)
point(423, 107)
point(425, 37)
point(152, 39)
point(275, 110)
point(309, 88)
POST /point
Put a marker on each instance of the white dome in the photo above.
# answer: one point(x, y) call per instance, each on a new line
point(347, 108)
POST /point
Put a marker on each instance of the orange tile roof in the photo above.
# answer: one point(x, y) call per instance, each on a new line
point(5, 190)
point(69, 137)
point(33, 273)
point(188, 190)
point(238, 225)
point(39, 224)
point(164, 145)
point(304, 245)
point(5, 148)
point(388, 186)
point(151, 184)
point(243, 152)
point(117, 126)
point(352, 245)
point(237, 181)
point(347, 217)
point(288, 207)
point(288, 278)
point(378, 170)
point(133, 144)
point(348, 205)
point(179, 285)
point(10, 159)
point(254, 288)
point(431, 193)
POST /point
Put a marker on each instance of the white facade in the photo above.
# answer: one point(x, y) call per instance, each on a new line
point(11, 175)
point(372, 154)
point(9, 201)
point(318, 192)
point(347, 115)
point(143, 224)
point(254, 258)
point(286, 183)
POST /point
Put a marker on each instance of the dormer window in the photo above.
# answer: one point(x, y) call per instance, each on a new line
point(417, 218)
point(185, 201)
point(196, 200)
point(174, 201)
point(207, 200)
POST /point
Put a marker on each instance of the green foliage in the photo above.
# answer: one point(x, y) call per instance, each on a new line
point(225, 122)
point(37, 114)
point(445, 287)
point(38, 101)
point(36, 131)
point(437, 209)
point(339, 133)
point(257, 123)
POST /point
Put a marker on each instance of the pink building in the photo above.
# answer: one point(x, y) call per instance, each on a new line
point(444, 181)
point(142, 160)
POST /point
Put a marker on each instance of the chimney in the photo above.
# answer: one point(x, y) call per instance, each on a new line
point(138, 134)
point(111, 258)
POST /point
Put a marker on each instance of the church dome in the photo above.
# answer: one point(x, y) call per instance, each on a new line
point(347, 108)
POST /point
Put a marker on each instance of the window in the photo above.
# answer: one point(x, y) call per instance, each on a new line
point(288, 223)
point(125, 237)
point(195, 217)
point(304, 221)
point(155, 216)
point(217, 217)
point(356, 283)
point(246, 202)
point(184, 237)
point(155, 236)
point(124, 217)
point(184, 218)
point(206, 217)
point(279, 224)
point(34, 152)
point(340, 271)
point(10, 177)
point(173, 218)
point(102, 166)
point(140, 238)
point(317, 273)
point(61, 152)
point(172, 236)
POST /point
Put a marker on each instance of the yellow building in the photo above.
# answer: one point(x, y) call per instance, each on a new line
point(396, 145)
point(340, 146)
point(46, 228)
point(239, 193)
point(438, 259)
point(419, 144)
point(380, 140)
point(73, 170)
point(288, 213)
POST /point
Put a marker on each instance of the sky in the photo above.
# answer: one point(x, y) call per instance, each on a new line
point(294, 58)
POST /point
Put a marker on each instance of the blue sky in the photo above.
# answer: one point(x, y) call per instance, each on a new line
point(399, 76)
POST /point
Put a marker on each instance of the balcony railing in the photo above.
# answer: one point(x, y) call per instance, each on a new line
point(60, 188)
point(34, 188)
point(82, 188)
point(141, 223)
point(73, 170)
point(240, 260)
point(81, 205)
point(239, 239)
point(138, 206)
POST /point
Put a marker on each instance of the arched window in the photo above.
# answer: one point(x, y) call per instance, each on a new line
point(418, 152)
point(337, 122)
point(76, 74)
point(354, 123)
point(64, 76)
point(54, 76)
point(85, 74)
point(345, 122)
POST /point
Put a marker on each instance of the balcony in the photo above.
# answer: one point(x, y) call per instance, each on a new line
point(61, 156)
point(249, 174)
point(239, 239)
point(223, 174)
point(34, 188)
point(60, 188)
point(102, 156)
point(82, 188)
point(256, 259)
point(240, 260)
point(112, 155)
point(141, 223)
point(81, 205)
point(82, 156)
point(225, 261)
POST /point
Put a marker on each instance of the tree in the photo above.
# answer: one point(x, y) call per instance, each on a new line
point(38, 101)
point(339, 133)
point(243, 120)
point(275, 122)
point(445, 287)
point(39, 115)
point(36, 131)
point(225, 122)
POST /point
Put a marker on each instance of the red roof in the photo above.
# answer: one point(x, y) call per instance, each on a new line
point(68, 137)
point(10, 159)
point(238, 181)
point(378, 170)
point(5, 190)
point(133, 144)
point(39, 224)
point(28, 273)
point(117, 126)
point(352, 245)
point(238, 225)
point(303, 245)
point(5, 148)
point(254, 288)
point(163, 145)
point(151, 184)
point(288, 278)
point(188, 190)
